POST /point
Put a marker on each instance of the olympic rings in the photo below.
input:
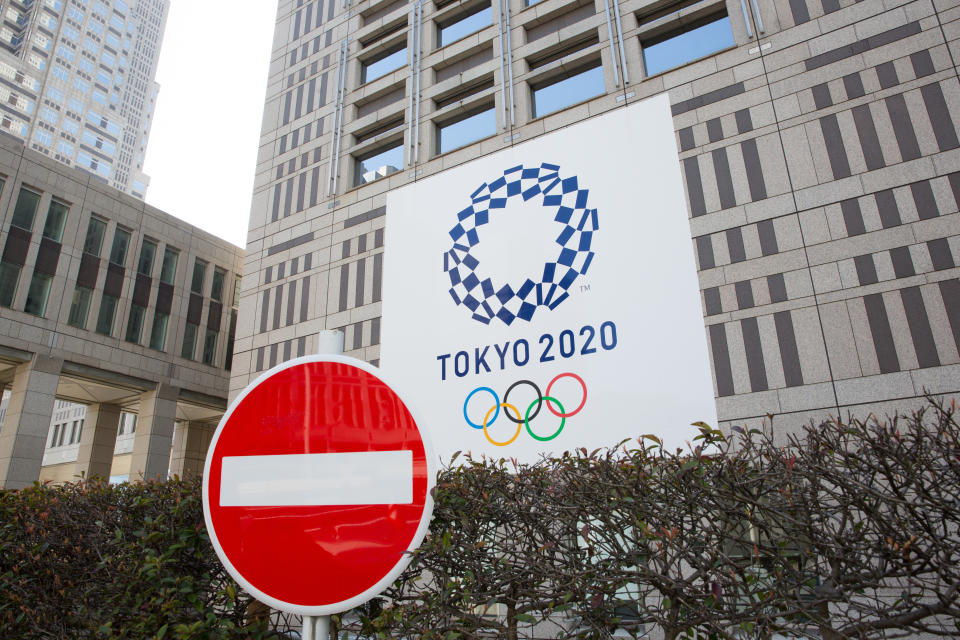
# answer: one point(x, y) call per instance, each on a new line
point(491, 440)
point(532, 410)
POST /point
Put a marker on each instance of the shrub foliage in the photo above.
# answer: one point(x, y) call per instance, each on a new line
point(847, 530)
point(93, 560)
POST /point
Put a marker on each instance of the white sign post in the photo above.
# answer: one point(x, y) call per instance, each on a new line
point(329, 341)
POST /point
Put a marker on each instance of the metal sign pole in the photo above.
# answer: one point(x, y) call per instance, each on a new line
point(329, 341)
point(315, 628)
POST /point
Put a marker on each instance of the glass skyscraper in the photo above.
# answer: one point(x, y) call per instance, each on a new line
point(77, 82)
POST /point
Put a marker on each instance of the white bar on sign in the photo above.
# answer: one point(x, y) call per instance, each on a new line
point(316, 479)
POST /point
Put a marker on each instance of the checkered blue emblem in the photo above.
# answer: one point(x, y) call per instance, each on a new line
point(561, 198)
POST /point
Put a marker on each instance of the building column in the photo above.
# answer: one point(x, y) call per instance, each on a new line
point(27, 422)
point(3, 388)
point(151, 445)
point(99, 438)
point(190, 443)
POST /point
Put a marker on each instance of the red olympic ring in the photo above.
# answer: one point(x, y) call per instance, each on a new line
point(582, 402)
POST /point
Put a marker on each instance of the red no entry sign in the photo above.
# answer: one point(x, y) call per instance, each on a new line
point(317, 481)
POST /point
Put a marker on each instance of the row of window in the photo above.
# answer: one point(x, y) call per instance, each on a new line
point(448, 31)
point(481, 122)
point(24, 215)
point(667, 49)
point(67, 433)
point(82, 297)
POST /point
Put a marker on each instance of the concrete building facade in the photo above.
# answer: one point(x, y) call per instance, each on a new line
point(817, 139)
point(107, 302)
point(77, 82)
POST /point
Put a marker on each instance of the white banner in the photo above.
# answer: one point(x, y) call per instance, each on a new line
point(545, 298)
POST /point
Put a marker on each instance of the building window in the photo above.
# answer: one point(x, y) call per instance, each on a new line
point(228, 358)
point(560, 92)
point(135, 323)
point(199, 274)
point(108, 310)
point(168, 269)
point(236, 291)
point(464, 24)
point(94, 240)
point(9, 274)
point(65, 148)
point(688, 42)
point(216, 287)
point(468, 127)
point(43, 137)
point(56, 220)
point(80, 307)
point(128, 423)
point(383, 63)
point(158, 332)
point(38, 293)
point(26, 209)
point(189, 341)
point(379, 163)
point(121, 242)
point(147, 251)
point(209, 346)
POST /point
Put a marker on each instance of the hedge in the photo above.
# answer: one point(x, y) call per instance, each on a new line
point(849, 529)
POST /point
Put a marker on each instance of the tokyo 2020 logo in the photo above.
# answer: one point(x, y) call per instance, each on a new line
point(522, 418)
point(565, 202)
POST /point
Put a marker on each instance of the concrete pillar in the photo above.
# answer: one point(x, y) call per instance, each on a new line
point(27, 421)
point(190, 443)
point(151, 446)
point(3, 389)
point(95, 456)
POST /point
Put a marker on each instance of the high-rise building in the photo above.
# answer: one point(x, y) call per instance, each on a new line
point(817, 141)
point(77, 82)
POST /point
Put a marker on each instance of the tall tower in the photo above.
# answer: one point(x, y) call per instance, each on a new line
point(816, 140)
point(77, 82)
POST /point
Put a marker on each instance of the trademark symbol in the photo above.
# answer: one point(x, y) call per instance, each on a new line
point(584, 287)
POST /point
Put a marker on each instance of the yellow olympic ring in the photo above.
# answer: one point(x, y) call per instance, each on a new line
point(487, 417)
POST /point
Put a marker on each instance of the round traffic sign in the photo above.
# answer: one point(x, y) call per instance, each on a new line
point(317, 482)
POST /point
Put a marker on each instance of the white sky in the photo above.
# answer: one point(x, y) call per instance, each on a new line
point(203, 146)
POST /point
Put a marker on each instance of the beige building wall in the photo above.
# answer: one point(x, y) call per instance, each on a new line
point(105, 300)
point(819, 152)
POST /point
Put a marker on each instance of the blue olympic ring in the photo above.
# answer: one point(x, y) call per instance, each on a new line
point(465, 402)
